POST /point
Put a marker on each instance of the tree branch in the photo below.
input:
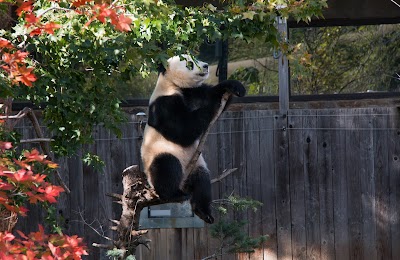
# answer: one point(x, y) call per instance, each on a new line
point(36, 140)
point(45, 148)
point(54, 8)
point(28, 112)
point(223, 175)
point(190, 167)
point(394, 2)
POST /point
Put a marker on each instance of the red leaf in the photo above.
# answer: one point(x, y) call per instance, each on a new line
point(7, 237)
point(5, 43)
point(51, 192)
point(36, 31)
point(78, 3)
point(123, 23)
point(31, 18)
point(20, 56)
point(5, 145)
point(25, 7)
point(6, 57)
point(34, 155)
point(22, 234)
point(6, 257)
point(6, 186)
point(104, 12)
point(49, 27)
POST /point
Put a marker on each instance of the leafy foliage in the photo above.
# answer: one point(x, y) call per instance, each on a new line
point(346, 59)
point(230, 232)
point(118, 253)
point(19, 183)
point(23, 179)
point(38, 245)
point(86, 53)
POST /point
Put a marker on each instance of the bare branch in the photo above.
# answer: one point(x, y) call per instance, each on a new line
point(101, 233)
point(114, 196)
point(223, 175)
point(52, 9)
point(21, 114)
point(394, 2)
point(214, 256)
point(103, 246)
point(45, 147)
point(116, 222)
point(36, 140)
point(139, 232)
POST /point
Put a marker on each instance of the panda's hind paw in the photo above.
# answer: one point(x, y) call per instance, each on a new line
point(206, 217)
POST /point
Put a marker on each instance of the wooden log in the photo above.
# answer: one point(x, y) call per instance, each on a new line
point(137, 195)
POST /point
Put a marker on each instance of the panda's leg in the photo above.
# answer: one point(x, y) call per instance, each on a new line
point(166, 175)
point(199, 186)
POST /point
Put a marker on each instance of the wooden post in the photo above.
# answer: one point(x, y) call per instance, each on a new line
point(282, 177)
point(284, 90)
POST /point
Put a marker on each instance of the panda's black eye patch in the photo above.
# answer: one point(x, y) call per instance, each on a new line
point(190, 65)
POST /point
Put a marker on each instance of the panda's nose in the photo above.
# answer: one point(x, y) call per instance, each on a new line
point(205, 66)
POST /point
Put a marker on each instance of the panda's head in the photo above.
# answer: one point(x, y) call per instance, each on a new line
point(185, 72)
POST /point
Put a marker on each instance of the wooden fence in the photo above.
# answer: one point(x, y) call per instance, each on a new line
point(329, 180)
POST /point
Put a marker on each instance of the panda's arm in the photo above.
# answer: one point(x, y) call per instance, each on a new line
point(233, 86)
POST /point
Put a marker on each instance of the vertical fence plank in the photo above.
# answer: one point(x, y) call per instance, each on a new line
point(145, 253)
point(324, 167)
point(190, 242)
point(239, 162)
point(283, 212)
point(297, 192)
point(268, 210)
point(64, 201)
point(340, 184)
point(211, 157)
point(200, 243)
point(311, 185)
point(367, 185)
point(382, 182)
point(353, 176)
point(225, 154)
point(77, 196)
point(91, 206)
point(394, 169)
point(105, 185)
point(253, 176)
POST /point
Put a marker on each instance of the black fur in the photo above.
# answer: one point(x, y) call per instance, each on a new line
point(183, 119)
point(198, 184)
point(166, 173)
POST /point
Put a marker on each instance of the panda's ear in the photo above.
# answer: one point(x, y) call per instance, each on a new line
point(161, 68)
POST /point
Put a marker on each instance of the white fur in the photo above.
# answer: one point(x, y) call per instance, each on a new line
point(178, 76)
point(154, 143)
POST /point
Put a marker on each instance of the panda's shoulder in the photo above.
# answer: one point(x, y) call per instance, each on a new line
point(196, 89)
point(167, 101)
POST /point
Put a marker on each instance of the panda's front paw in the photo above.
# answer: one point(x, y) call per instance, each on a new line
point(235, 87)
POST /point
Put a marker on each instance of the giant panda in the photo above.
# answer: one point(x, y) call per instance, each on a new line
point(181, 108)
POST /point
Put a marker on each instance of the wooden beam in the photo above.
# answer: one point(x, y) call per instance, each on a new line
point(284, 91)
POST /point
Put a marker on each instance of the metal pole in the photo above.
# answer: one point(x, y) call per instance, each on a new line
point(222, 54)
